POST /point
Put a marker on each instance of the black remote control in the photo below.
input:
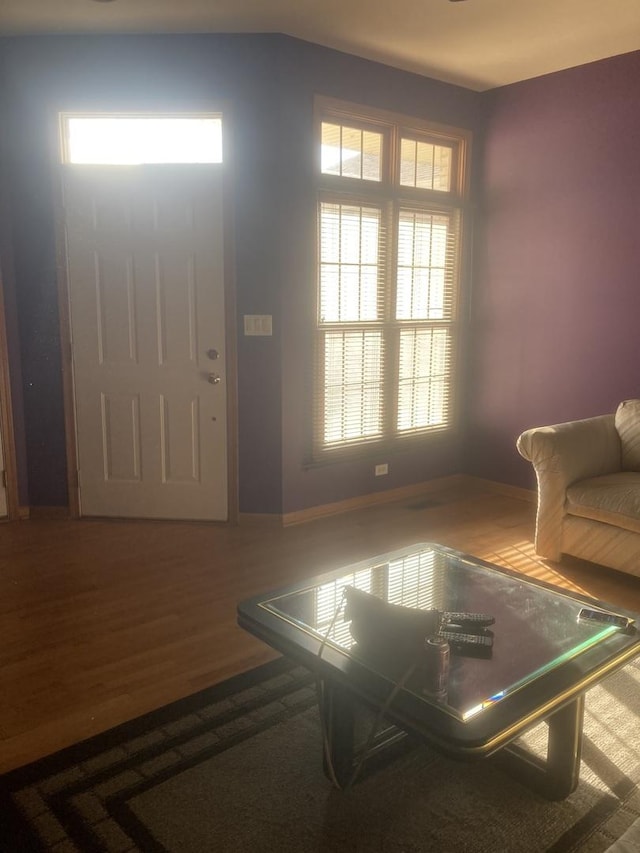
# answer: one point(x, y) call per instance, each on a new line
point(601, 617)
point(481, 620)
point(458, 638)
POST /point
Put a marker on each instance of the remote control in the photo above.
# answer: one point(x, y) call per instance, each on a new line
point(481, 620)
point(603, 618)
point(458, 638)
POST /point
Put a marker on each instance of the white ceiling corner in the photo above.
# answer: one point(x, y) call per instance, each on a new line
point(480, 44)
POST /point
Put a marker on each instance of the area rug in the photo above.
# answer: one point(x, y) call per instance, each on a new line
point(238, 768)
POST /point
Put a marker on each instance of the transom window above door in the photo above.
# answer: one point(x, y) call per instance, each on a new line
point(390, 213)
point(138, 139)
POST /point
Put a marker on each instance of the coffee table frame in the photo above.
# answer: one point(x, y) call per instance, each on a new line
point(345, 683)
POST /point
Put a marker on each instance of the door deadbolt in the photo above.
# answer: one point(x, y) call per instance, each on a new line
point(212, 354)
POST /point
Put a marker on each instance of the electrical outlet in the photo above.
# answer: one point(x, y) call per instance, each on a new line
point(382, 469)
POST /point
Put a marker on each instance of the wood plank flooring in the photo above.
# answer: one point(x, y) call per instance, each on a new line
point(101, 621)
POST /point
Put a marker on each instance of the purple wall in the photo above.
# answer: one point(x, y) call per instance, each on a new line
point(269, 83)
point(307, 69)
point(44, 75)
point(557, 288)
point(555, 301)
point(11, 316)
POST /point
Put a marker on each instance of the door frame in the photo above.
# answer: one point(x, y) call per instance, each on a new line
point(6, 418)
point(62, 278)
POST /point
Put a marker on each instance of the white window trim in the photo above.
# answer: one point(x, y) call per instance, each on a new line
point(391, 196)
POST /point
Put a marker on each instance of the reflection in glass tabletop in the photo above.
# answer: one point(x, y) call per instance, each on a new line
point(536, 628)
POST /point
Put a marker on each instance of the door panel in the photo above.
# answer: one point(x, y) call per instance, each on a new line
point(121, 437)
point(180, 421)
point(146, 291)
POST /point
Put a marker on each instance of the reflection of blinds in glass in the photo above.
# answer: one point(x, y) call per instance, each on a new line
point(417, 581)
point(329, 599)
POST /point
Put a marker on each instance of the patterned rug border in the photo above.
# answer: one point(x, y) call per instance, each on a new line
point(17, 836)
point(80, 798)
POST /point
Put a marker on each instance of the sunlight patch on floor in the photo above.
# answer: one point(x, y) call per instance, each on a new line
point(521, 557)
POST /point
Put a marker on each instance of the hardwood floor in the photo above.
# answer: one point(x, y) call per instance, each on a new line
point(101, 621)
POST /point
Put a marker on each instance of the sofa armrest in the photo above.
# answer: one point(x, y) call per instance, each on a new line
point(562, 454)
point(574, 450)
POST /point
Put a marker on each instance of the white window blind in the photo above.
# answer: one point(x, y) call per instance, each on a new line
point(389, 247)
point(328, 600)
point(352, 259)
point(350, 262)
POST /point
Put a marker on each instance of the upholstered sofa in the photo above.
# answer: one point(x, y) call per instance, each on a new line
point(588, 474)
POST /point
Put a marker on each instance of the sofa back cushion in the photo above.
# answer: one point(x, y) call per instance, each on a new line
point(628, 426)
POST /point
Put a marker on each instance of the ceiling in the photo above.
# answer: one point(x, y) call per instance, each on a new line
point(479, 44)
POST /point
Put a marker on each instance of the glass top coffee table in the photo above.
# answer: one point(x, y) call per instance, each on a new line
point(362, 630)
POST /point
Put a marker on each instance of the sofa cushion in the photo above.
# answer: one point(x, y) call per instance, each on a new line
point(628, 426)
point(612, 499)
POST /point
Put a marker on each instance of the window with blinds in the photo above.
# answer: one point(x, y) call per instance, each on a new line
point(390, 215)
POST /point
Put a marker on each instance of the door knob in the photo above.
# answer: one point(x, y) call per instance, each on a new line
point(213, 378)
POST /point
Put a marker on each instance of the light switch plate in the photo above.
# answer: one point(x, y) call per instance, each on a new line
point(258, 324)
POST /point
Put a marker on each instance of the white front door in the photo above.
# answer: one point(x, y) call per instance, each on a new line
point(146, 292)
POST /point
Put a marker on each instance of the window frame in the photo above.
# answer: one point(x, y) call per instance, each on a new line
point(391, 197)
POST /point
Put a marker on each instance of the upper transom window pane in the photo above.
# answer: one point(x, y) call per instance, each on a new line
point(425, 165)
point(351, 152)
point(139, 140)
